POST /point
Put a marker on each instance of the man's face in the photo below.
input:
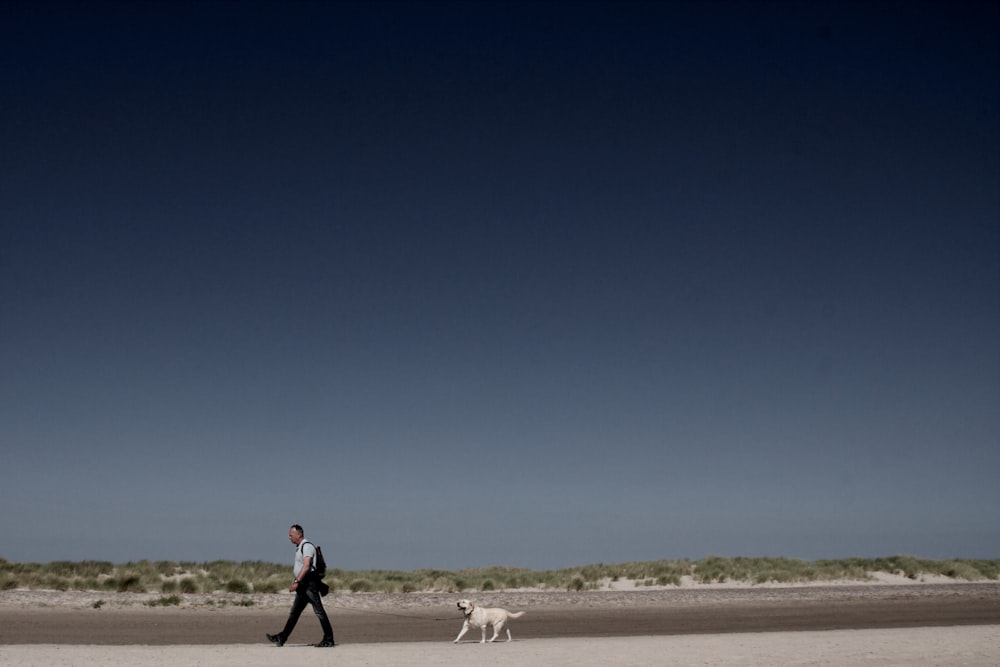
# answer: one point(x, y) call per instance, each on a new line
point(294, 537)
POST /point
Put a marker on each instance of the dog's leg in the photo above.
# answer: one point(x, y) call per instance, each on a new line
point(483, 628)
point(497, 627)
point(461, 633)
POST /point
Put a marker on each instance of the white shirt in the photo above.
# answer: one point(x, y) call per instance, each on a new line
point(305, 549)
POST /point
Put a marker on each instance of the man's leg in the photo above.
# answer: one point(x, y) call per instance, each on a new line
point(317, 603)
point(300, 602)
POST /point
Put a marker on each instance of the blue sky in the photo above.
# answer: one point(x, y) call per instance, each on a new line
point(521, 284)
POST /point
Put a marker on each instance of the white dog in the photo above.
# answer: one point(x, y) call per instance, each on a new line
point(480, 617)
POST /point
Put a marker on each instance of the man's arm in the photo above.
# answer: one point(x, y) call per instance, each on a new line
point(306, 568)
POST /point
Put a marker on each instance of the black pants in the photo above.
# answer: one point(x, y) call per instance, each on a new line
point(308, 593)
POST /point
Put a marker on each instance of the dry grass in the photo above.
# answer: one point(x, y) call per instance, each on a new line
point(172, 578)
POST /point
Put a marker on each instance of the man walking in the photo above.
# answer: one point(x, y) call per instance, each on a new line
point(306, 588)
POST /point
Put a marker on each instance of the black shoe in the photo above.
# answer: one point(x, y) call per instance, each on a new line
point(326, 643)
point(277, 640)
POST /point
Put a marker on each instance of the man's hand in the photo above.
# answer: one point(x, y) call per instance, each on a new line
point(306, 567)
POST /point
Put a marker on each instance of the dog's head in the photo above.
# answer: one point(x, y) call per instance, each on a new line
point(466, 606)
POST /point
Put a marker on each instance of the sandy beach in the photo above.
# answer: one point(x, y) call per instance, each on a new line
point(957, 646)
point(851, 624)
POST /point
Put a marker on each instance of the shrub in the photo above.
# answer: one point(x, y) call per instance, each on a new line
point(990, 569)
point(237, 586)
point(165, 567)
point(188, 585)
point(88, 584)
point(712, 569)
point(961, 570)
point(95, 568)
point(62, 568)
point(129, 583)
point(672, 579)
point(361, 586)
point(269, 586)
point(171, 600)
point(212, 585)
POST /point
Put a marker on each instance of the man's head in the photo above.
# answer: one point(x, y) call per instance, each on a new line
point(296, 534)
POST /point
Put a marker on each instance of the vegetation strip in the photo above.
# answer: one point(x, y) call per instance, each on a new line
point(172, 578)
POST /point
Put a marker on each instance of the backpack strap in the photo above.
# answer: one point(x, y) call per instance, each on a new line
point(312, 564)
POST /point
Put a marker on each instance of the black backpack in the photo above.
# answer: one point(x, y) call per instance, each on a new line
point(319, 563)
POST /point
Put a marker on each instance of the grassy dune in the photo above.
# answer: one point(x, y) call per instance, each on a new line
point(171, 578)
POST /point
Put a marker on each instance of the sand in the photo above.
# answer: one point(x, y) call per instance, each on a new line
point(874, 624)
point(969, 645)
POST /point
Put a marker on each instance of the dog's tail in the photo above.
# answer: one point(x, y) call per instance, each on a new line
point(516, 614)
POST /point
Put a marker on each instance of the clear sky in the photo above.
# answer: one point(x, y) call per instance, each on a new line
point(520, 284)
